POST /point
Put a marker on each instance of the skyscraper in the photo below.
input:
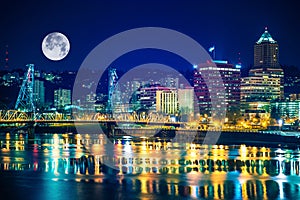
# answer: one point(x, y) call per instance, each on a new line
point(186, 103)
point(166, 101)
point(266, 59)
point(265, 80)
point(266, 52)
point(257, 92)
point(62, 97)
point(39, 93)
point(146, 96)
point(231, 79)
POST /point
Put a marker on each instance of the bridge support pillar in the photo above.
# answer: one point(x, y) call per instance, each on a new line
point(31, 134)
point(111, 129)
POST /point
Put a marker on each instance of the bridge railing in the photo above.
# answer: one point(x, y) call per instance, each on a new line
point(13, 115)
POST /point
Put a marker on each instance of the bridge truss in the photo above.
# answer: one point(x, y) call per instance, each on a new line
point(25, 101)
point(13, 115)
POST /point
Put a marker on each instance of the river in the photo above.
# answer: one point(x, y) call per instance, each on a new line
point(89, 166)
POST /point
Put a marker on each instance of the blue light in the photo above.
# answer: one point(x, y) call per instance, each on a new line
point(173, 119)
point(266, 37)
point(195, 66)
point(211, 49)
point(238, 66)
point(220, 61)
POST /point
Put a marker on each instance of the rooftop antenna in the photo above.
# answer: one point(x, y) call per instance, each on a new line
point(239, 58)
point(6, 57)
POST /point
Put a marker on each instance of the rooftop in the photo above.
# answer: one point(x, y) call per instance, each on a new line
point(266, 37)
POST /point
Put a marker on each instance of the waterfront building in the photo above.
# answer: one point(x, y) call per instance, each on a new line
point(186, 103)
point(167, 102)
point(230, 75)
point(265, 81)
point(146, 96)
point(285, 109)
point(257, 92)
point(62, 97)
point(272, 73)
point(39, 93)
point(266, 59)
point(266, 51)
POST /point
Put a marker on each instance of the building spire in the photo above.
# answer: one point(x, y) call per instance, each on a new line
point(266, 37)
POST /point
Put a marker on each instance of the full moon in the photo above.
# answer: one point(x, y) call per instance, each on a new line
point(55, 46)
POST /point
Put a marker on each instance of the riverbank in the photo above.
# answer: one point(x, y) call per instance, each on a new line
point(272, 139)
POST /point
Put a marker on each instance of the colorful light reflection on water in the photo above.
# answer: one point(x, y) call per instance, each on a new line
point(48, 165)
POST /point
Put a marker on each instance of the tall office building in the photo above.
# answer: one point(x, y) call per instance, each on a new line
point(186, 100)
point(166, 101)
point(266, 51)
point(39, 93)
point(62, 97)
point(266, 79)
point(186, 103)
point(231, 79)
point(146, 96)
point(266, 59)
point(257, 91)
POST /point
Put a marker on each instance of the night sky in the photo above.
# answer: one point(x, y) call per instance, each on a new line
point(232, 26)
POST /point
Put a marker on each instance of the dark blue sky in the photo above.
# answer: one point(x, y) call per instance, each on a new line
point(232, 26)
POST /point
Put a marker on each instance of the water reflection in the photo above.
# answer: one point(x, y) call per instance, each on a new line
point(156, 167)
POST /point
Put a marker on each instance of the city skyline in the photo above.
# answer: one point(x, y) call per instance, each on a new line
point(149, 99)
point(231, 27)
point(265, 51)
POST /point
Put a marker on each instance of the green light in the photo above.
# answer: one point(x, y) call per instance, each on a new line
point(266, 37)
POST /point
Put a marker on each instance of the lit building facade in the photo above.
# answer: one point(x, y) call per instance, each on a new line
point(62, 97)
point(258, 90)
point(231, 78)
point(272, 73)
point(285, 109)
point(39, 93)
point(186, 100)
point(266, 78)
point(266, 59)
point(146, 96)
point(167, 102)
point(266, 51)
point(294, 97)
